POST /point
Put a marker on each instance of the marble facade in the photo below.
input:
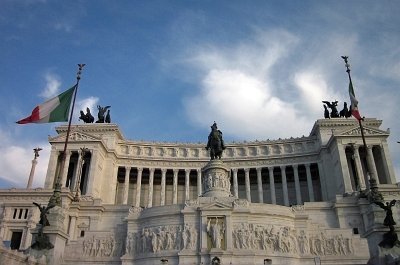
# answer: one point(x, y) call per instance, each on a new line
point(285, 201)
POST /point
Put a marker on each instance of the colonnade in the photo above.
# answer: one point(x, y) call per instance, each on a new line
point(76, 171)
point(130, 187)
point(359, 162)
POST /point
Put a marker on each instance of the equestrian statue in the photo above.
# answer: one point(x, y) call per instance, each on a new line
point(215, 143)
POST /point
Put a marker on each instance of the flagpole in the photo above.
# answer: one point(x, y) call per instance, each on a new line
point(55, 199)
point(372, 180)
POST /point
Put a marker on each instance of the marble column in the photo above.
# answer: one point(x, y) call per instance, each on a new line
point(32, 173)
point(78, 172)
point(175, 187)
point(151, 186)
point(187, 182)
point(163, 176)
point(235, 183)
point(372, 167)
point(247, 183)
point(199, 191)
point(90, 189)
point(297, 184)
point(324, 188)
point(309, 183)
point(72, 226)
point(65, 169)
point(126, 185)
point(138, 186)
point(114, 195)
point(345, 169)
point(284, 186)
point(387, 163)
point(272, 184)
point(359, 171)
point(259, 185)
point(52, 173)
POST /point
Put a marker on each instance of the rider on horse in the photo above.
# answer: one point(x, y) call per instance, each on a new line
point(215, 142)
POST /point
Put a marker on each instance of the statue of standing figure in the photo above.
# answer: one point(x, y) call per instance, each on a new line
point(42, 240)
point(215, 142)
point(101, 114)
point(216, 232)
point(43, 214)
point(389, 238)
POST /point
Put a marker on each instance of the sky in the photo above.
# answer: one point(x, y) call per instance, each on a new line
point(169, 69)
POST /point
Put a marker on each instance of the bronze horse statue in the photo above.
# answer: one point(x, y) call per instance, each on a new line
point(215, 143)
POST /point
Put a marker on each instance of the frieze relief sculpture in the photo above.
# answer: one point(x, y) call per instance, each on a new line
point(285, 239)
point(161, 238)
point(100, 247)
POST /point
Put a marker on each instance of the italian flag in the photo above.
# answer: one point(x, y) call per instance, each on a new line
point(354, 103)
point(53, 110)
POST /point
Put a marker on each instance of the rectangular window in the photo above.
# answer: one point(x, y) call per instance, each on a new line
point(16, 239)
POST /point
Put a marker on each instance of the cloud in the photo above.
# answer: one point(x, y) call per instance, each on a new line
point(312, 88)
point(243, 106)
point(63, 26)
point(239, 91)
point(52, 86)
point(17, 158)
point(82, 104)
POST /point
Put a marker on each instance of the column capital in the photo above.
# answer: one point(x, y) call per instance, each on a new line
point(127, 168)
point(283, 167)
point(163, 171)
point(259, 169)
point(187, 171)
point(246, 170)
point(198, 170)
point(176, 171)
point(139, 169)
point(234, 170)
point(295, 166)
point(271, 169)
point(152, 169)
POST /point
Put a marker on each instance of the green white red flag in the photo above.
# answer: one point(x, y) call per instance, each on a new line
point(354, 103)
point(53, 110)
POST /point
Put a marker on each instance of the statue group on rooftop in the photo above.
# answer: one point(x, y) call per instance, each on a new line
point(102, 116)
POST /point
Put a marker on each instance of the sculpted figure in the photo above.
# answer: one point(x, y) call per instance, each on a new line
point(100, 115)
point(216, 232)
point(108, 117)
point(87, 118)
point(215, 143)
point(43, 214)
point(333, 107)
point(389, 221)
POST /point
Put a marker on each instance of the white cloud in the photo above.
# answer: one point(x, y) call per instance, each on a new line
point(244, 106)
point(82, 104)
point(52, 86)
point(313, 89)
point(238, 92)
point(16, 162)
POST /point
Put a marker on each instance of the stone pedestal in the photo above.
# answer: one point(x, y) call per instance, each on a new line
point(216, 180)
point(55, 235)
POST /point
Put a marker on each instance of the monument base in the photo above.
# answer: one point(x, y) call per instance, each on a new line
point(216, 179)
